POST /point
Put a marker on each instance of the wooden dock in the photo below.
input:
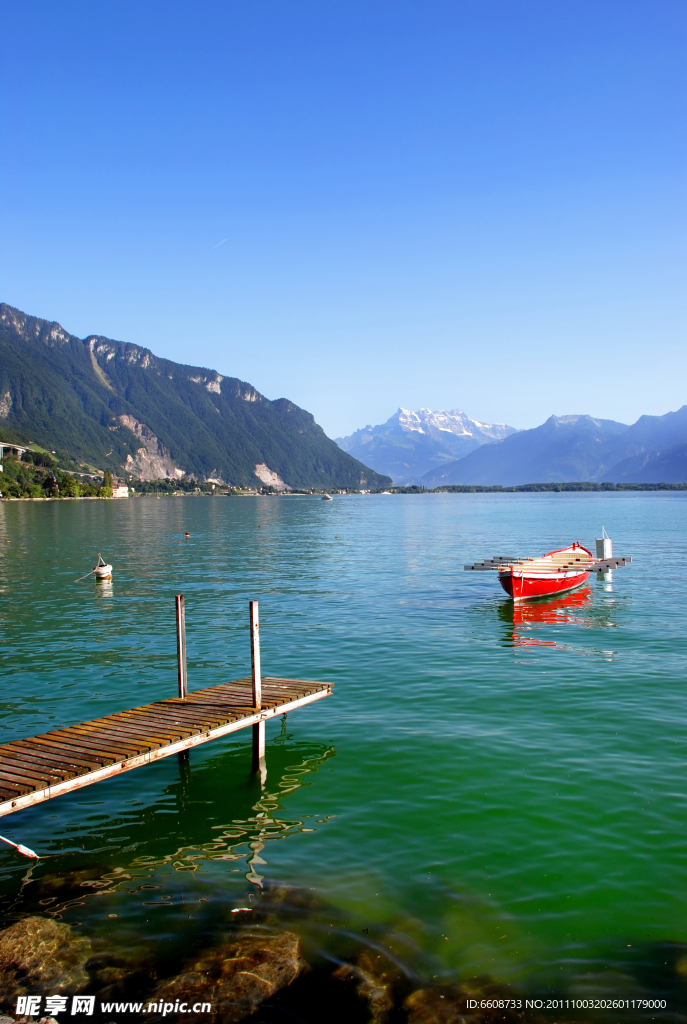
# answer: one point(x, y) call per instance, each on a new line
point(51, 764)
point(42, 767)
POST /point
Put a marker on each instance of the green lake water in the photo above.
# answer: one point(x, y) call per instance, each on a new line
point(492, 791)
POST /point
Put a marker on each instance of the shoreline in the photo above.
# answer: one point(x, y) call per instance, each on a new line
point(462, 489)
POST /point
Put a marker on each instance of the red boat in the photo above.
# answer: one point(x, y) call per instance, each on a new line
point(556, 572)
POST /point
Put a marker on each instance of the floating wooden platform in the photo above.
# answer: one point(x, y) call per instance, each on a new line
point(42, 767)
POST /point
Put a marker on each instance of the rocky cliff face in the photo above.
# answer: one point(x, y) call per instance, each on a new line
point(151, 461)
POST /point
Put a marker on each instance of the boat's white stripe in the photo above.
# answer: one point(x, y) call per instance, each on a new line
point(547, 575)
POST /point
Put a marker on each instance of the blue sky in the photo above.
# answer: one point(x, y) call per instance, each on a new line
point(360, 205)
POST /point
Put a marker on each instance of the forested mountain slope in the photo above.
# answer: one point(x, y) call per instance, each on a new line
point(121, 407)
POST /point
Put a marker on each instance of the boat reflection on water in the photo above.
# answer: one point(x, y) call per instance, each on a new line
point(573, 608)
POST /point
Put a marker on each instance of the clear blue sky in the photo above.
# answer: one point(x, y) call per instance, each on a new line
point(362, 204)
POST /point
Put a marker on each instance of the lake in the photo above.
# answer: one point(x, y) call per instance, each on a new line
point(489, 791)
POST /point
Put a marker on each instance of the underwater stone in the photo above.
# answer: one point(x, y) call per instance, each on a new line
point(440, 1005)
point(115, 976)
point(39, 955)
point(237, 977)
point(281, 902)
point(377, 980)
point(448, 1004)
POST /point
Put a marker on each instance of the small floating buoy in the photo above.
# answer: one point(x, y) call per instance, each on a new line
point(187, 535)
point(6, 542)
point(103, 570)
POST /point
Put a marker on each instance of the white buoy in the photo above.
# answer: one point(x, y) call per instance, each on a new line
point(103, 571)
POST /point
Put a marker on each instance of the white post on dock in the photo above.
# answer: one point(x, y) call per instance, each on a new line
point(255, 655)
point(181, 644)
point(259, 727)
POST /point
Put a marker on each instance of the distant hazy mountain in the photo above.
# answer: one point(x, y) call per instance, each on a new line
point(660, 467)
point(411, 443)
point(653, 450)
point(649, 436)
point(122, 408)
point(577, 448)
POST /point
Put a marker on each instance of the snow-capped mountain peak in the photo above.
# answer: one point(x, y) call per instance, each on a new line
point(412, 442)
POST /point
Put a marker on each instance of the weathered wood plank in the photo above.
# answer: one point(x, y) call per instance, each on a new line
point(135, 730)
point(20, 788)
point(47, 750)
point(142, 731)
point(191, 707)
point(68, 749)
point(52, 771)
point(12, 766)
point(7, 794)
point(102, 738)
point(99, 742)
point(159, 728)
point(74, 738)
point(206, 713)
point(162, 715)
point(31, 778)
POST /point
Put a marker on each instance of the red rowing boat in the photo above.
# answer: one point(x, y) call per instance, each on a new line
point(556, 572)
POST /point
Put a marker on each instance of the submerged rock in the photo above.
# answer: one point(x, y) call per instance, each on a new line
point(444, 1004)
point(39, 955)
point(278, 905)
point(286, 899)
point(236, 977)
point(377, 980)
point(116, 976)
point(449, 1004)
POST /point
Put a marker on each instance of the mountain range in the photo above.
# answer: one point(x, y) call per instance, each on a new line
point(122, 408)
point(411, 444)
point(436, 449)
point(577, 448)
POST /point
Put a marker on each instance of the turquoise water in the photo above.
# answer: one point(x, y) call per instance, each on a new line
point(504, 792)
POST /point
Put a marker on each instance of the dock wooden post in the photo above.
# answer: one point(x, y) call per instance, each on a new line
point(255, 655)
point(259, 727)
point(181, 644)
point(259, 764)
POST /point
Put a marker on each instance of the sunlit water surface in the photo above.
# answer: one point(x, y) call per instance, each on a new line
point(504, 791)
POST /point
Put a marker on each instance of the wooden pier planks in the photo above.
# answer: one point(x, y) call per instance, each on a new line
point(42, 767)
